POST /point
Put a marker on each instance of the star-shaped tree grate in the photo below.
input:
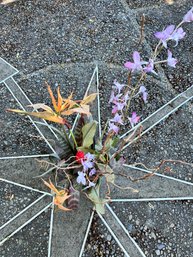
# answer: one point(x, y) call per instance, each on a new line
point(62, 236)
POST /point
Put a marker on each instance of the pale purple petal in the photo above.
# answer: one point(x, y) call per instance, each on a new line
point(137, 63)
point(177, 35)
point(120, 106)
point(130, 65)
point(115, 109)
point(134, 119)
point(125, 98)
point(165, 34)
point(112, 96)
point(144, 96)
point(92, 172)
point(113, 127)
point(170, 60)
point(142, 89)
point(91, 184)
point(81, 178)
point(158, 35)
point(144, 93)
point(89, 156)
point(118, 86)
point(188, 17)
point(87, 164)
point(169, 30)
point(149, 67)
point(117, 119)
point(136, 57)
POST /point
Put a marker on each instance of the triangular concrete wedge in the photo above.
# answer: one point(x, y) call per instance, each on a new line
point(159, 228)
point(18, 135)
point(152, 187)
point(101, 242)
point(7, 70)
point(31, 240)
point(168, 146)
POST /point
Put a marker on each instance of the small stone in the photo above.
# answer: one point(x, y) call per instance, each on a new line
point(153, 235)
point(130, 217)
point(161, 246)
point(130, 227)
point(157, 252)
point(109, 237)
point(145, 228)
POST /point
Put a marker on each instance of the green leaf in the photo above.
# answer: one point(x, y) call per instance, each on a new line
point(116, 140)
point(108, 172)
point(99, 203)
point(89, 131)
point(85, 150)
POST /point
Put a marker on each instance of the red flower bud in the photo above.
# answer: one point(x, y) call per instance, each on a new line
point(79, 156)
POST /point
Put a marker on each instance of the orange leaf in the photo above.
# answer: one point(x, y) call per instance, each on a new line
point(41, 106)
point(43, 115)
point(51, 186)
point(88, 99)
point(61, 207)
point(53, 99)
point(60, 100)
point(60, 197)
point(84, 109)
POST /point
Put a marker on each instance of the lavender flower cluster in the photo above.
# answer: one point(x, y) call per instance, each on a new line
point(119, 96)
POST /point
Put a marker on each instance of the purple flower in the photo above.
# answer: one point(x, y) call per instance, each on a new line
point(113, 127)
point(118, 86)
point(170, 60)
point(134, 119)
point(89, 157)
point(117, 119)
point(144, 93)
point(165, 34)
point(91, 184)
point(136, 65)
point(149, 67)
point(188, 17)
point(177, 35)
point(125, 98)
point(114, 98)
point(118, 107)
point(87, 164)
point(92, 172)
point(81, 178)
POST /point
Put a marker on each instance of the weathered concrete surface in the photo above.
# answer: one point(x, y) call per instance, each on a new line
point(69, 230)
point(6, 70)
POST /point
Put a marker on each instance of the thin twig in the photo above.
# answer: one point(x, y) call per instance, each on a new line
point(142, 25)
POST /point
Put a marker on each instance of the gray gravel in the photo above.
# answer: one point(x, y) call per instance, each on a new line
point(17, 134)
point(13, 200)
point(162, 229)
point(31, 241)
point(171, 139)
point(156, 19)
point(39, 33)
point(100, 242)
